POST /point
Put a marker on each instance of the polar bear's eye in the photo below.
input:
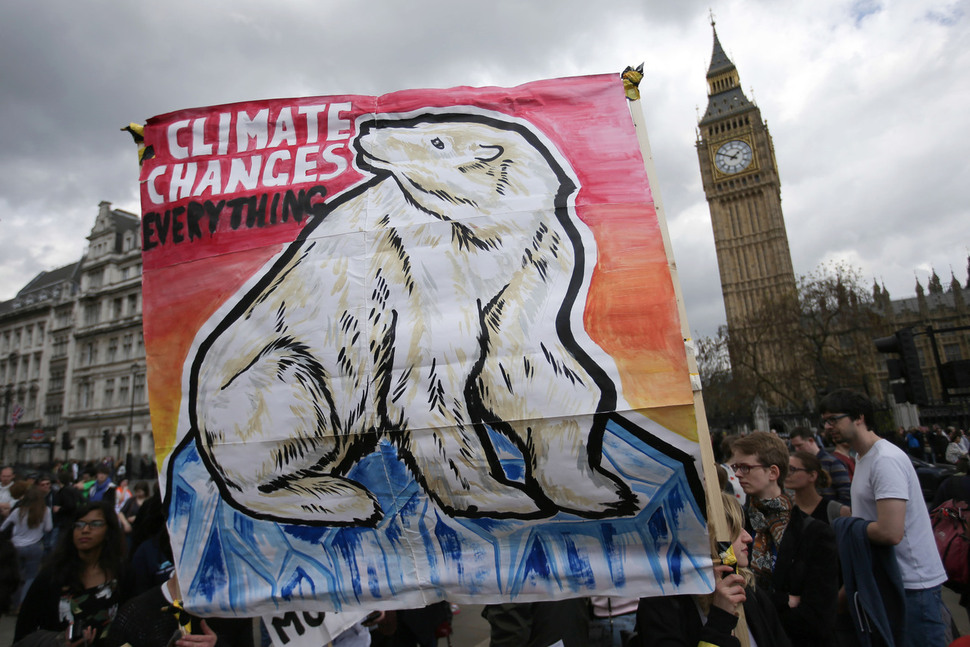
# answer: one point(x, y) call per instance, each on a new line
point(437, 143)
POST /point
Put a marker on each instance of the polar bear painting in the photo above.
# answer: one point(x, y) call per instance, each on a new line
point(438, 301)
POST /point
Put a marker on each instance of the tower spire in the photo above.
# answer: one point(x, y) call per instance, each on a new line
point(725, 96)
point(720, 63)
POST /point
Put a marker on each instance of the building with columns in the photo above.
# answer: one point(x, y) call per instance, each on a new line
point(72, 357)
point(939, 317)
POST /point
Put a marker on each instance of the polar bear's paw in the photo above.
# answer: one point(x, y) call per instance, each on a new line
point(320, 500)
point(498, 501)
point(595, 496)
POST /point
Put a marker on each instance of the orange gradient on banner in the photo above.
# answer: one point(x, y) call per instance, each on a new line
point(630, 311)
point(184, 304)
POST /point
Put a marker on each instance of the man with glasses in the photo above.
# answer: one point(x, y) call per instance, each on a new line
point(803, 440)
point(886, 492)
point(793, 557)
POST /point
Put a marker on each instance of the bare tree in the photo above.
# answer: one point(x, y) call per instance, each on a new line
point(796, 346)
point(726, 399)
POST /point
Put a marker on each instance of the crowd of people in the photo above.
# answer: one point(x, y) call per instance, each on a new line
point(85, 560)
point(932, 444)
point(842, 542)
point(830, 544)
point(830, 541)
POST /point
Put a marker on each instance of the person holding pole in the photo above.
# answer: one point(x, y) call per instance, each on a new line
point(687, 621)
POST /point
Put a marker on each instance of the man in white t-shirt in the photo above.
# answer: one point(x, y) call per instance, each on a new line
point(886, 491)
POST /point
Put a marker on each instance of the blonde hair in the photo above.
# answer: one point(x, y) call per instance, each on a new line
point(735, 518)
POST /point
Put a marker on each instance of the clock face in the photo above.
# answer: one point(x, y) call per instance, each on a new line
point(733, 156)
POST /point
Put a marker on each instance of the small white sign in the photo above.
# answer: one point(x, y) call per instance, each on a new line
point(309, 628)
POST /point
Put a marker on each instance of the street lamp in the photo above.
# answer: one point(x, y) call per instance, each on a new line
point(131, 422)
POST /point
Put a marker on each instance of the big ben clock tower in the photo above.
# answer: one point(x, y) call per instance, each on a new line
point(740, 178)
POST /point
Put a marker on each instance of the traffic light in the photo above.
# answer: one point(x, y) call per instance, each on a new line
point(66, 441)
point(905, 374)
point(956, 374)
point(106, 439)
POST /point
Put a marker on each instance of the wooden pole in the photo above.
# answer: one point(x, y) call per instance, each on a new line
point(716, 520)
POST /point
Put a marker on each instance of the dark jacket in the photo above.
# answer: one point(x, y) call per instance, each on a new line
point(536, 624)
point(807, 566)
point(873, 584)
point(956, 487)
point(41, 606)
point(9, 570)
point(67, 499)
point(142, 623)
point(674, 621)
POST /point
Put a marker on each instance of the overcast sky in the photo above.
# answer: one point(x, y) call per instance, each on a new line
point(868, 104)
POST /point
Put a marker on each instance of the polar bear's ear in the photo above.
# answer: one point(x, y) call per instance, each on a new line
point(489, 152)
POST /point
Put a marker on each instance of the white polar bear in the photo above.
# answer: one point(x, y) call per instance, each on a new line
point(427, 303)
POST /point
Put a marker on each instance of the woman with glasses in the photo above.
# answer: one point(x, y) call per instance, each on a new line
point(805, 478)
point(77, 593)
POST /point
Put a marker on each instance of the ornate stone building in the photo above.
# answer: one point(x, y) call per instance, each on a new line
point(72, 359)
point(34, 344)
point(940, 320)
point(741, 181)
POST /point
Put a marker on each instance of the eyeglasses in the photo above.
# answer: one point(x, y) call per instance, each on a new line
point(792, 468)
point(742, 468)
point(81, 525)
point(831, 420)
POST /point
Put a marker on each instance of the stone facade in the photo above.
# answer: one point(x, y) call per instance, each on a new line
point(940, 320)
point(72, 355)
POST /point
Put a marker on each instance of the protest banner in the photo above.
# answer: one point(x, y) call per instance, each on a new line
point(417, 346)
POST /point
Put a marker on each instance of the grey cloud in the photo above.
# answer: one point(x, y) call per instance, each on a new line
point(840, 97)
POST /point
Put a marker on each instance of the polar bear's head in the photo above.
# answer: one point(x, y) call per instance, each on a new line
point(449, 163)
